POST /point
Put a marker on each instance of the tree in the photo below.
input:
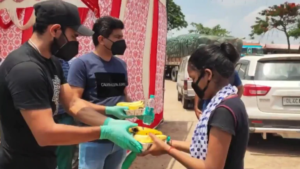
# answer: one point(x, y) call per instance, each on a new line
point(176, 19)
point(215, 31)
point(295, 32)
point(283, 18)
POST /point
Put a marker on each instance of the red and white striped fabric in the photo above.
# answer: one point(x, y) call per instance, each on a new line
point(145, 33)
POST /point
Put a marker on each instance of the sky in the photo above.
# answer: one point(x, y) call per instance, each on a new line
point(237, 16)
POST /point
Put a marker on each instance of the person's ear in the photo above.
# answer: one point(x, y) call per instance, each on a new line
point(101, 39)
point(208, 73)
point(55, 30)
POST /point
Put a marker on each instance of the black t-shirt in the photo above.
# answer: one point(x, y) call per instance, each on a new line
point(27, 81)
point(231, 116)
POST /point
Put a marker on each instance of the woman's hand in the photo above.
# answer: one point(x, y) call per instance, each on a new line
point(157, 148)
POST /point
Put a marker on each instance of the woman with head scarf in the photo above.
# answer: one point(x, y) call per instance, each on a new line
point(221, 135)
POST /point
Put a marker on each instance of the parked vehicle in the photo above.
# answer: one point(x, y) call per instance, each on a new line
point(186, 94)
point(184, 45)
point(272, 93)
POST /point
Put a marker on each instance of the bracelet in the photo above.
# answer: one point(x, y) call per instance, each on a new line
point(169, 141)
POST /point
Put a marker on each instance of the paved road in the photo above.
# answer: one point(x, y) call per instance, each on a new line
point(275, 153)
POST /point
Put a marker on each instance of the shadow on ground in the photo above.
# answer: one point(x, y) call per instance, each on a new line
point(177, 130)
point(275, 146)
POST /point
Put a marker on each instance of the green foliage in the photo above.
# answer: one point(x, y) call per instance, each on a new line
point(176, 19)
point(282, 17)
point(295, 32)
point(214, 31)
point(184, 45)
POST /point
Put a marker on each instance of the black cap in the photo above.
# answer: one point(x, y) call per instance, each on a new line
point(60, 12)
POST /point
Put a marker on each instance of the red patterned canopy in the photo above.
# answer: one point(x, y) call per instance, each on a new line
point(93, 5)
point(12, 9)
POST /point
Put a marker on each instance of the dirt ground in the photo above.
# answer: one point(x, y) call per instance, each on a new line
point(274, 153)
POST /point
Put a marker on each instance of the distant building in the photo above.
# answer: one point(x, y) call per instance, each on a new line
point(280, 48)
point(250, 48)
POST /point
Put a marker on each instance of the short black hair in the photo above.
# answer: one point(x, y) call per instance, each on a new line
point(104, 26)
point(221, 58)
point(39, 28)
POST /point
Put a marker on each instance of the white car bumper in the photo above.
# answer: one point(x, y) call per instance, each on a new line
point(255, 114)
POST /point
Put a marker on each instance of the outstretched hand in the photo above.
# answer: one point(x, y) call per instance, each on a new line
point(157, 148)
point(117, 131)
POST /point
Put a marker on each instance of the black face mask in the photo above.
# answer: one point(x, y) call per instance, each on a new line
point(64, 49)
point(118, 47)
point(200, 92)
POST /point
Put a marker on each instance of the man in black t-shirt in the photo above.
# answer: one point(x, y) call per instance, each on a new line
point(32, 85)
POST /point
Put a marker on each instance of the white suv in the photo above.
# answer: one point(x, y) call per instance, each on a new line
point(272, 93)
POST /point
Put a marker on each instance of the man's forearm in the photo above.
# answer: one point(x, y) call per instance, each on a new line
point(62, 134)
point(98, 108)
point(86, 114)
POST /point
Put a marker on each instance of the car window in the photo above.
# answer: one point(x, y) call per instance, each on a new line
point(242, 71)
point(278, 70)
point(237, 67)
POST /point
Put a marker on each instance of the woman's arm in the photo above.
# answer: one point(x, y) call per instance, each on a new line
point(222, 128)
point(218, 146)
point(180, 145)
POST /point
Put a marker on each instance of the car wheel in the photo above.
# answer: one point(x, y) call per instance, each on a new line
point(174, 74)
point(179, 97)
point(254, 138)
point(185, 103)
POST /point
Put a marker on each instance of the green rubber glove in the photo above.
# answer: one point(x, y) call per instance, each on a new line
point(117, 131)
point(117, 111)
